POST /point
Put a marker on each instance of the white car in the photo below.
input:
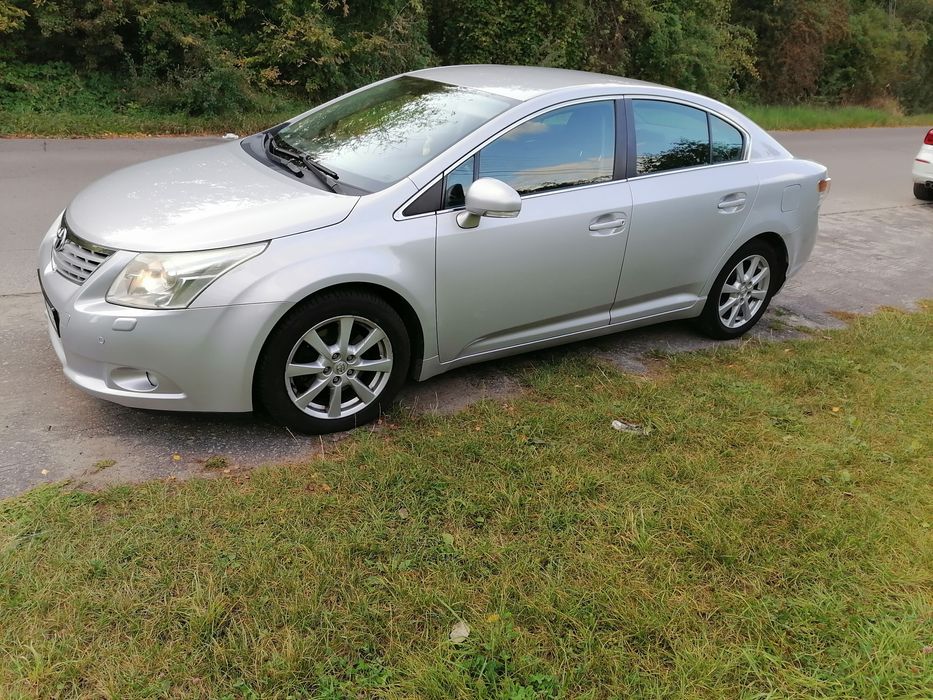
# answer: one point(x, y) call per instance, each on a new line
point(923, 170)
point(425, 222)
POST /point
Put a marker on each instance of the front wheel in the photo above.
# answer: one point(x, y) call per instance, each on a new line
point(333, 363)
point(741, 292)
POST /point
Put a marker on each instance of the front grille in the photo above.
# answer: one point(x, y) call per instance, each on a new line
point(76, 259)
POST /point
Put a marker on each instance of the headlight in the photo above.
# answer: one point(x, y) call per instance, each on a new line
point(173, 280)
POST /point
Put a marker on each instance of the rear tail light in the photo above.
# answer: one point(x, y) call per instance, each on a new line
point(929, 138)
point(823, 187)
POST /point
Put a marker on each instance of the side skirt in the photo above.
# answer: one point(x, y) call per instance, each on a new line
point(431, 367)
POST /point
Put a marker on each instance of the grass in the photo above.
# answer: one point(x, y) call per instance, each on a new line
point(140, 122)
point(86, 117)
point(803, 117)
point(769, 537)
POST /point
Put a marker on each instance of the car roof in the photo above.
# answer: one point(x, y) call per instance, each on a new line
point(523, 82)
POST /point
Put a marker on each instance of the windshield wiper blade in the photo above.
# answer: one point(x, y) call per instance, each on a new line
point(274, 145)
point(320, 167)
point(321, 171)
point(285, 162)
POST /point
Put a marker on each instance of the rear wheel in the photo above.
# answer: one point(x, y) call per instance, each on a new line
point(741, 292)
point(334, 363)
point(923, 192)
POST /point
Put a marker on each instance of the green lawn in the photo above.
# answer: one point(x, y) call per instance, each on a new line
point(771, 536)
point(797, 117)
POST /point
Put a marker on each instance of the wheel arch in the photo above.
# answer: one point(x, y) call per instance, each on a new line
point(398, 303)
point(772, 238)
point(780, 247)
point(402, 307)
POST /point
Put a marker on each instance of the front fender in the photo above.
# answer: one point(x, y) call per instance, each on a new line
point(399, 258)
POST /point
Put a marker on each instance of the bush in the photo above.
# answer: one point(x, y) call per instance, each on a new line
point(57, 87)
point(220, 87)
point(216, 57)
point(873, 58)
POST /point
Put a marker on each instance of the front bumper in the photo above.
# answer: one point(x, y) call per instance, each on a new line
point(195, 359)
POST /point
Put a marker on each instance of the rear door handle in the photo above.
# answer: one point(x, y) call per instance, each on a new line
point(732, 202)
point(603, 224)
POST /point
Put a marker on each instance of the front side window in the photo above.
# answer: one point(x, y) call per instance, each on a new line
point(669, 136)
point(566, 147)
point(384, 133)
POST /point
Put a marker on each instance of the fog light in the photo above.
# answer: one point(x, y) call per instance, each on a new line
point(131, 379)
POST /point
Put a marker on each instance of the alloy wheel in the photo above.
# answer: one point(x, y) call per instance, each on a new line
point(339, 367)
point(744, 291)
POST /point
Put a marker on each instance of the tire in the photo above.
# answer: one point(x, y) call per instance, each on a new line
point(923, 192)
point(749, 300)
point(315, 355)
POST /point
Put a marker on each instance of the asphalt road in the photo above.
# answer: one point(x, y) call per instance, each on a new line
point(875, 239)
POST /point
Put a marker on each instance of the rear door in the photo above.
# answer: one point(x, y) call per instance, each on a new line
point(692, 189)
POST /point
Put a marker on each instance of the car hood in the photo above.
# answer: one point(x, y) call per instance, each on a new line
point(207, 198)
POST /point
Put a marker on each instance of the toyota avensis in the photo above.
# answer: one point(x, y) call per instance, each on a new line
point(428, 221)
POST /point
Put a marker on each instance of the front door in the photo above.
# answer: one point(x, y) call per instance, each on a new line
point(554, 269)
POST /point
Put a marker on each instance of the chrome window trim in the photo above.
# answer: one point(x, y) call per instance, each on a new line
point(689, 169)
point(746, 137)
point(533, 195)
point(614, 97)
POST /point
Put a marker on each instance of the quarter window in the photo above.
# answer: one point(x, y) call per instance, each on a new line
point(564, 148)
point(458, 180)
point(669, 136)
point(727, 141)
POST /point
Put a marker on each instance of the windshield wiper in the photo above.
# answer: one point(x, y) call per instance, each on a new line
point(287, 163)
point(288, 155)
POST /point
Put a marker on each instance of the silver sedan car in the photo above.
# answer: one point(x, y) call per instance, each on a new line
point(431, 220)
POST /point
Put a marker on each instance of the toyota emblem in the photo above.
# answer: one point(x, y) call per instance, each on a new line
point(60, 238)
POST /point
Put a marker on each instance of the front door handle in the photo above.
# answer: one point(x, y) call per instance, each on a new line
point(603, 223)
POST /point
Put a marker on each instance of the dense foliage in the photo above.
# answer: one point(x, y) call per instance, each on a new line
point(217, 56)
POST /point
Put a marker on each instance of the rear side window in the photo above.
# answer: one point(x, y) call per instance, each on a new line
point(566, 147)
point(669, 136)
point(727, 141)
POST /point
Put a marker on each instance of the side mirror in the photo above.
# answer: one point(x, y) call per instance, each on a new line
point(489, 197)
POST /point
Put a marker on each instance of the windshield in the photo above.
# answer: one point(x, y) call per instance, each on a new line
point(386, 132)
